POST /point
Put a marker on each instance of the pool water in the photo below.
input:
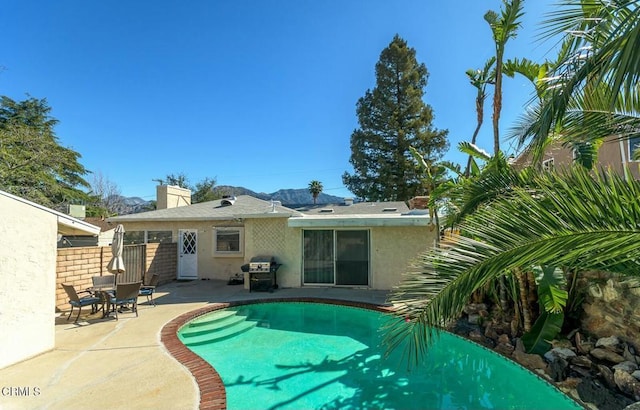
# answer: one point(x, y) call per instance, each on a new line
point(318, 356)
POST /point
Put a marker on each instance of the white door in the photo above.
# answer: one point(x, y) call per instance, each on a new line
point(188, 254)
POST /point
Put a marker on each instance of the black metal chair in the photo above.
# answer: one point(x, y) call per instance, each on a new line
point(76, 301)
point(126, 294)
point(148, 289)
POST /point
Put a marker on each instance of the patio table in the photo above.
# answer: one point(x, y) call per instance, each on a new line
point(105, 293)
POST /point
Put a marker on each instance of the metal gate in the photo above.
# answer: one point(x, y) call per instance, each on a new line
point(134, 257)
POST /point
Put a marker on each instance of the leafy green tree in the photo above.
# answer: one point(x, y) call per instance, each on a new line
point(33, 164)
point(202, 191)
point(315, 188)
point(503, 27)
point(392, 118)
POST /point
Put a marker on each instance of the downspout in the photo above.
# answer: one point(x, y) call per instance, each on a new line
point(622, 158)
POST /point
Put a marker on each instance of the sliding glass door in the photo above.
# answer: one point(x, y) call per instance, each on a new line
point(336, 257)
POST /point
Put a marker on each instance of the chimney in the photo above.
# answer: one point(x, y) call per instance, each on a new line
point(171, 196)
point(348, 201)
point(419, 202)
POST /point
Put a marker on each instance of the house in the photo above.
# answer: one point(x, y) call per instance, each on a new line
point(614, 154)
point(28, 236)
point(351, 244)
point(104, 238)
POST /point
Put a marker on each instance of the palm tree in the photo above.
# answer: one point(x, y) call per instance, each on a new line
point(595, 88)
point(503, 27)
point(579, 220)
point(480, 79)
point(315, 188)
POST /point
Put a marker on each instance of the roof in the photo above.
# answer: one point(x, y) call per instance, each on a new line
point(100, 222)
point(359, 208)
point(244, 206)
point(67, 225)
point(362, 214)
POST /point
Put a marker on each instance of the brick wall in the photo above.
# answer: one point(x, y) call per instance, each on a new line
point(76, 266)
point(162, 258)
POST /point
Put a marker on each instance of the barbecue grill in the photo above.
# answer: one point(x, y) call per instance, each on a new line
point(262, 273)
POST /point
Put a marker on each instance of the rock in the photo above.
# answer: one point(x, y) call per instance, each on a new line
point(591, 391)
point(628, 384)
point(504, 339)
point(474, 308)
point(530, 361)
point(561, 352)
point(490, 332)
point(519, 345)
point(604, 354)
point(478, 337)
point(607, 376)
point(629, 354)
point(634, 406)
point(611, 342)
point(558, 369)
point(473, 318)
point(636, 374)
point(505, 349)
point(562, 344)
point(609, 292)
point(582, 361)
point(626, 366)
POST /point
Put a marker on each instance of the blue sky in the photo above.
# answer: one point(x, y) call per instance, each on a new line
point(259, 94)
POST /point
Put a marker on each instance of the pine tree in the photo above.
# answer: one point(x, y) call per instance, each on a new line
point(392, 118)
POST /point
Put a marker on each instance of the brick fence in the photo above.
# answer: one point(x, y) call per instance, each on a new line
point(76, 266)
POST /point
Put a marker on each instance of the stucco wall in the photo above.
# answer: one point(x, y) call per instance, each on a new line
point(209, 267)
point(27, 280)
point(391, 251)
point(613, 154)
point(392, 248)
point(271, 236)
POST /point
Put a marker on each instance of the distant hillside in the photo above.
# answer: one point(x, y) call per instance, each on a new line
point(286, 196)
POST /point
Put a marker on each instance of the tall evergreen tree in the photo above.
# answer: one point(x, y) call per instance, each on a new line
point(33, 164)
point(392, 118)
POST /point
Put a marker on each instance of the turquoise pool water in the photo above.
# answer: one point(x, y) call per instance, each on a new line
point(318, 356)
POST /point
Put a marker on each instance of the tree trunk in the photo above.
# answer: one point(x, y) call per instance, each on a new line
point(521, 278)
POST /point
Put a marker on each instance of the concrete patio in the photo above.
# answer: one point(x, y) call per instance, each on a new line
point(122, 364)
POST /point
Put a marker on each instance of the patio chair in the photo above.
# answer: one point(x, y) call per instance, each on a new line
point(106, 281)
point(148, 288)
point(76, 301)
point(126, 294)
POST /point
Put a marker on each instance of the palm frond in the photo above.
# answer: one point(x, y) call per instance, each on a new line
point(572, 219)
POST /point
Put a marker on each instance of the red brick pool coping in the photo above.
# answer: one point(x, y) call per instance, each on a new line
point(212, 392)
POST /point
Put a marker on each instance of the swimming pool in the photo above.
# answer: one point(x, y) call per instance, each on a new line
point(311, 356)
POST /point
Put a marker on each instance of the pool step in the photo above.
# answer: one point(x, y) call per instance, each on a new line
point(212, 326)
point(217, 335)
point(213, 317)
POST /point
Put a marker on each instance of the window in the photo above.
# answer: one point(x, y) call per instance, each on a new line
point(547, 164)
point(228, 241)
point(140, 237)
point(634, 144)
point(159, 237)
point(133, 237)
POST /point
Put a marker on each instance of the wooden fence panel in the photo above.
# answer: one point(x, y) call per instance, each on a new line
point(134, 257)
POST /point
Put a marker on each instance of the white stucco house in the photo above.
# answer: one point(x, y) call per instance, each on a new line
point(28, 244)
point(350, 244)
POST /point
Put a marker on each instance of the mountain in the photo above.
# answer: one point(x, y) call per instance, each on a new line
point(288, 197)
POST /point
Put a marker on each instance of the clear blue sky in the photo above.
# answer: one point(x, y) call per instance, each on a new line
point(258, 93)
